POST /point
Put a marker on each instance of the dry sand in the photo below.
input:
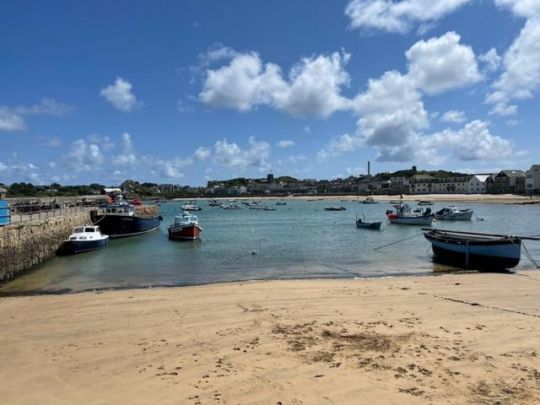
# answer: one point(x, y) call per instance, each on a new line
point(460, 338)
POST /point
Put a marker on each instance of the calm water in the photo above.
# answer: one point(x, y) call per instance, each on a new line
point(299, 240)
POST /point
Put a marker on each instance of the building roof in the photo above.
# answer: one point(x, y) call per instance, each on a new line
point(3, 190)
point(482, 177)
point(513, 173)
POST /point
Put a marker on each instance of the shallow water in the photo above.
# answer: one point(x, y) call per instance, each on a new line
point(298, 240)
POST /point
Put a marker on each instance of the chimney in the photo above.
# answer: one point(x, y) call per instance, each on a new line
point(369, 168)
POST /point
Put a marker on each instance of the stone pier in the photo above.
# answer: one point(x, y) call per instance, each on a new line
point(27, 244)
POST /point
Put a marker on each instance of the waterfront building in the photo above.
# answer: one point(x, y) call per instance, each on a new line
point(532, 180)
point(477, 184)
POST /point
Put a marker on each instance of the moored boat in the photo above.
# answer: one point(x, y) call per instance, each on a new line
point(404, 215)
point(425, 202)
point(369, 200)
point(231, 206)
point(368, 225)
point(214, 203)
point(454, 214)
point(84, 239)
point(335, 208)
point(475, 250)
point(185, 227)
point(123, 219)
point(191, 207)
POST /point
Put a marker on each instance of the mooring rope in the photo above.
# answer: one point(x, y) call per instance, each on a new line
point(529, 256)
point(397, 242)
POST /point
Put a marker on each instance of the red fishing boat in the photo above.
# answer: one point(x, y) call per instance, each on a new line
point(185, 227)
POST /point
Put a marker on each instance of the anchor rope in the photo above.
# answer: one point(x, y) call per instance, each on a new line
point(397, 242)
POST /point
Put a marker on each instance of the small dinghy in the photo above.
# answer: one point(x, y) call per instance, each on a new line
point(335, 208)
point(368, 225)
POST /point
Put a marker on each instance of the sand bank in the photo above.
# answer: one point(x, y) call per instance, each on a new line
point(462, 338)
point(450, 198)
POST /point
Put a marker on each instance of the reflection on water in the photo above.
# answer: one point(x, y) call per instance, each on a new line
point(298, 240)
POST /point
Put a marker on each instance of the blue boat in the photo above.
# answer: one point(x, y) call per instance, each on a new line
point(123, 219)
point(475, 250)
point(84, 239)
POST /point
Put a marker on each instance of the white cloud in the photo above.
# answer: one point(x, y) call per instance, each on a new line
point(23, 171)
point(390, 110)
point(312, 88)
point(84, 156)
point(522, 8)
point(454, 116)
point(233, 156)
point(202, 153)
point(520, 78)
point(491, 59)
point(285, 143)
point(473, 142)
point(10, 121)
point(340, 145)
point(52, 141)
point(126, 156)
point(441, 64)
point(46, 106)
point(120, 95)
point(399, 17)
point(11, 118)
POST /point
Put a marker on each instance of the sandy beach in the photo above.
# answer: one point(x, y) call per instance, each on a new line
point(453, 338)
point(412, 198)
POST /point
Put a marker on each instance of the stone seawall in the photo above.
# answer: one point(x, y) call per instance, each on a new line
point(25, 245)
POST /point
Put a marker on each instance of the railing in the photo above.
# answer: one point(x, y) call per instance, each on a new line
point(21, 213)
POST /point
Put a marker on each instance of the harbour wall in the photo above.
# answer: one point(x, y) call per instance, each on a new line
point(27, 244)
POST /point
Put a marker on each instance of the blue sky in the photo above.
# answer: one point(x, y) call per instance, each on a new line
point(187, 91)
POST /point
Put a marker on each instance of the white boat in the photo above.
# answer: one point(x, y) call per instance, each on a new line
point(476, 250)
point(425, 202)
point(454, 214)
point(190, 207)
point(404, 215)
point(84, 239)
point(369, 200)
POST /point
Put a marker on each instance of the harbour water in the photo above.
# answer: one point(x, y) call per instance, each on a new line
point(297, 240)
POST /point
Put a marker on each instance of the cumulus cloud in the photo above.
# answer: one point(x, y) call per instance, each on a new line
point(313, 86)
point(454, 116)
point(9, 121)
point(202, 153)
point(441, 64)
point(393, 120)
point(233, 156)
point(120, 96)
point(285, 143)
point(398, 17)
point(522, 8)
point(520, 77)
point(127, 155)
point(23, 171)
point(491, 60)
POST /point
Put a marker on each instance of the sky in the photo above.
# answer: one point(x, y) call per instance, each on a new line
point(188, 91)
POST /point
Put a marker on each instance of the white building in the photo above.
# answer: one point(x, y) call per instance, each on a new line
point(477, 184)
point(532, 180)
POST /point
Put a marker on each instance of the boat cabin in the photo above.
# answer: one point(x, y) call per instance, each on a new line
point(85, 232)
point(185, 219)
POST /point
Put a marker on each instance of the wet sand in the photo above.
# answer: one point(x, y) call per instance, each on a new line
point(458, 338)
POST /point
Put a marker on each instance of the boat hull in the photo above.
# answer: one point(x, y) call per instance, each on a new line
point(425, 220)
point(188, 232)
point(73, 247)
point(369, 225)
point(485, 255)
point(120, 226)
